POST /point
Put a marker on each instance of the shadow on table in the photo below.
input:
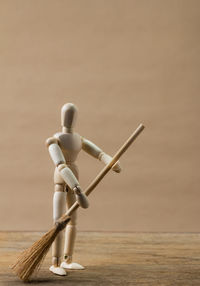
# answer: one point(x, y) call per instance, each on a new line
point(117, 274)
point(98, 275)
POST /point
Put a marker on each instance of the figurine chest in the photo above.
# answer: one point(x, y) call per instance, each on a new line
point(70, 145)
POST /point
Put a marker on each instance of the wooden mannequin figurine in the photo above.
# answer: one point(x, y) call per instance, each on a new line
point(64, 148)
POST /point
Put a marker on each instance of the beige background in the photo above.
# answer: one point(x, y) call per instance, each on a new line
point(122, 63)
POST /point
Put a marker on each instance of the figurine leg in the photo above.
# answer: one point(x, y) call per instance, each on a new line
point(70, 236)
point(59, 207)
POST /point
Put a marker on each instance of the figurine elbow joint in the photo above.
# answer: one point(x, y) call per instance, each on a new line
point(61, 166)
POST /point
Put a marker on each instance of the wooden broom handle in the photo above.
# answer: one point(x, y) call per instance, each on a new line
point(107, 168)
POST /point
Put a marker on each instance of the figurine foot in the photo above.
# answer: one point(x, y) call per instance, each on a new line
point(58, 270)
point(73, 266)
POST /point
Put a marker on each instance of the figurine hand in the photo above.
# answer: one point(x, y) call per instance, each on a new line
point(105, 158)
point(81, 197)
point(117, 167)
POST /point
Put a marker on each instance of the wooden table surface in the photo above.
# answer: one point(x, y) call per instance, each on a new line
point(166, 259)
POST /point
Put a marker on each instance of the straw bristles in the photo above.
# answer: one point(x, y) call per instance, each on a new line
point(31, 258)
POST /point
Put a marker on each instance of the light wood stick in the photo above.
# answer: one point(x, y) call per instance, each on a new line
point(106, 169)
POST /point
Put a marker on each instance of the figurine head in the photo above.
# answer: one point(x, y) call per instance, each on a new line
point(68, 116)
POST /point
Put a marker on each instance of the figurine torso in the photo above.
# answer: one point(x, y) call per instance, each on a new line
point(70, 144)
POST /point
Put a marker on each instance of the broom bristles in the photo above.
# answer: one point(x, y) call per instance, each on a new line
point(32, 257)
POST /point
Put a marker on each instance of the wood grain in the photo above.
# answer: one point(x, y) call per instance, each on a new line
point(114, 259)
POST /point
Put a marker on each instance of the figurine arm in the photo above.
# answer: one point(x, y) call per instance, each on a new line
point(55, 151)
point(65, 172)
point(97, 153)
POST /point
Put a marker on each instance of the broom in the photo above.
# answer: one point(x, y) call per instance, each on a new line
point(31, 258)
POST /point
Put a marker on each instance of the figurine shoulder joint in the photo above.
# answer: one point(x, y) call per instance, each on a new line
point(51, 140)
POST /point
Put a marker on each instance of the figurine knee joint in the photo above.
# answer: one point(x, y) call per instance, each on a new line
point(72, 222)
